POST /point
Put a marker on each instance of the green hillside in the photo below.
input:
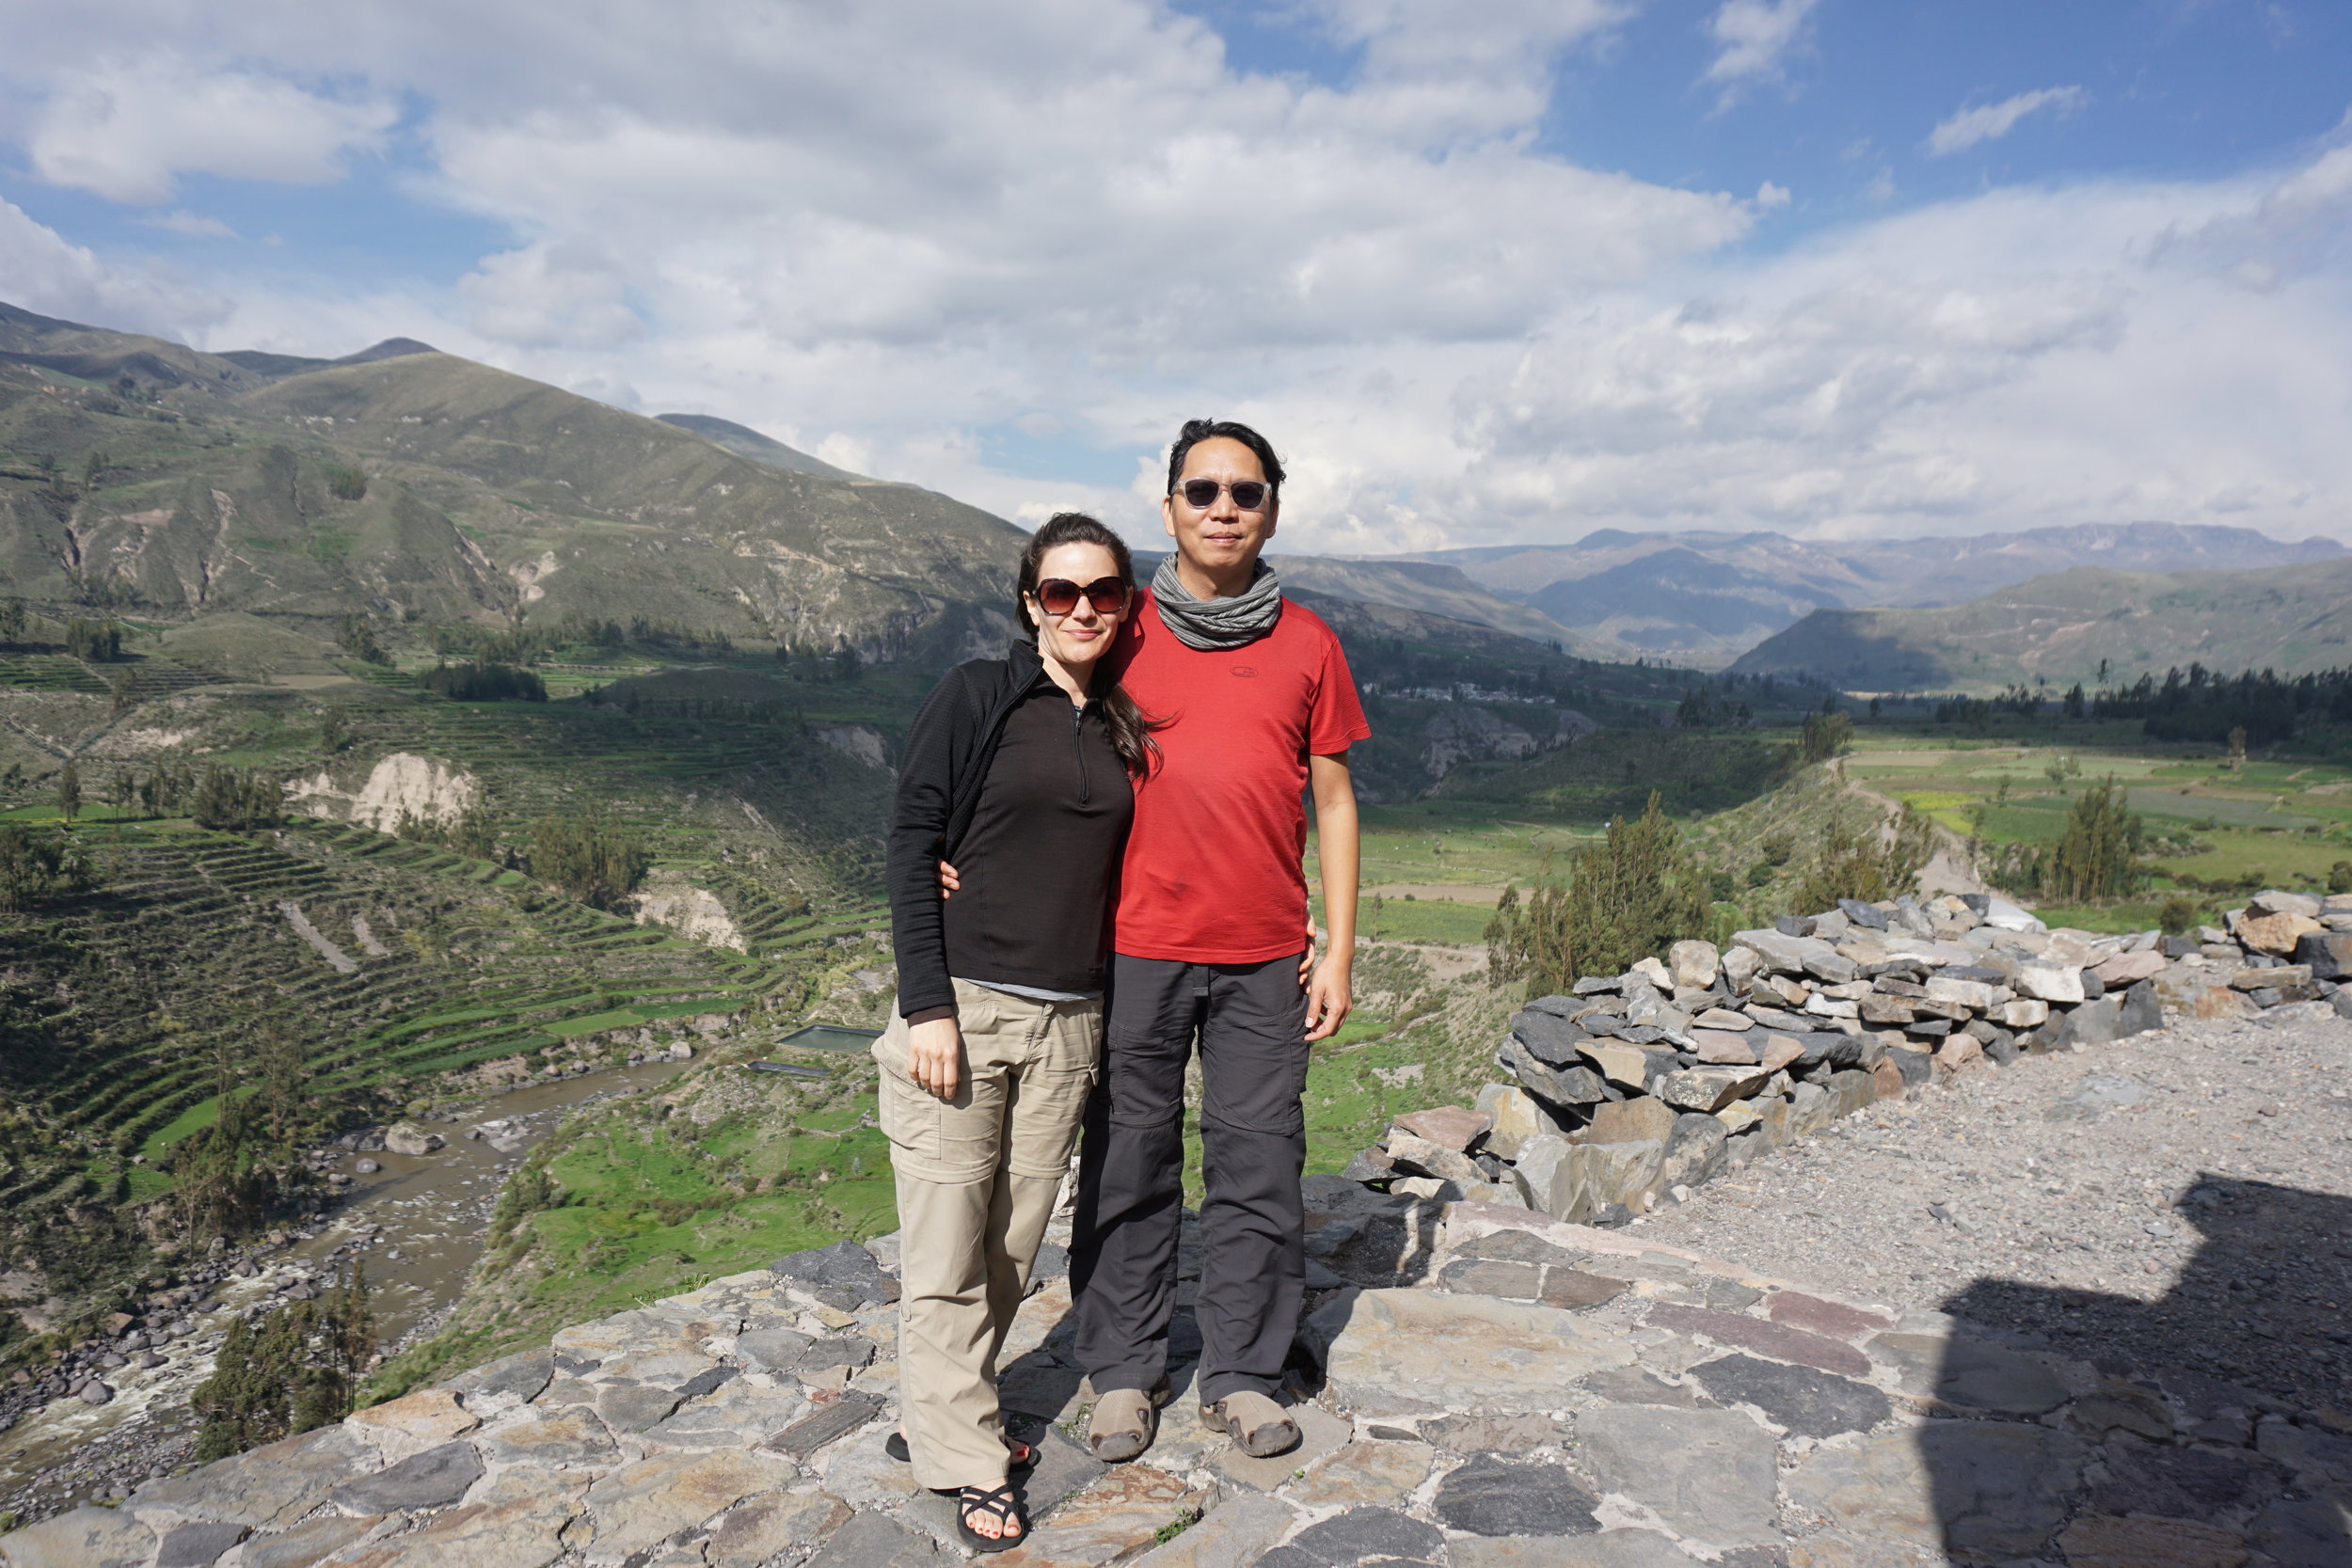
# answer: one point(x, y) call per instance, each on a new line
point(2063, 628)
point(142, 477)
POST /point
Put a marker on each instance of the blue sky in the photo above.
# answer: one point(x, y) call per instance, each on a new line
point(1506, 271)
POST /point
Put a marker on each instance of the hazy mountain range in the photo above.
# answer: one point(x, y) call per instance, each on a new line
point(2062, 627)
point(1705, 599)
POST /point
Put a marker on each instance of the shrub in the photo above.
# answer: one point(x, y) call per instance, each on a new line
point(1633, 894)
point(1860, 859)
point(2177, 915)
point(346, 484)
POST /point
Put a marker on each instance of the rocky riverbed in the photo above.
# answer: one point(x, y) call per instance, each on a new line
point(115, 1413)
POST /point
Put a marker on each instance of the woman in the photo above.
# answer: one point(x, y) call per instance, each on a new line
point(1022, 769)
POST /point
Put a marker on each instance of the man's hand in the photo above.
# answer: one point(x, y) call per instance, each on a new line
point(1328, 997)
point(950, 883)
point(1306, 958)
point(935, 1052)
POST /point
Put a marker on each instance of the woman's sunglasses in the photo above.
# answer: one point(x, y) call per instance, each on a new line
point(1059, 595)
point(1248, 494)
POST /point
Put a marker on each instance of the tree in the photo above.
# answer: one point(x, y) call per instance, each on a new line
point(12, 619)
point(1862, 857)
point(2096, 855)
point(1634, 893)
point(34, 866)
point(1825, 735)
point(237, 800)
point(589, 855)
point(69, 792)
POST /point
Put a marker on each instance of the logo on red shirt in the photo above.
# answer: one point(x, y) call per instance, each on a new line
point(1246, 671)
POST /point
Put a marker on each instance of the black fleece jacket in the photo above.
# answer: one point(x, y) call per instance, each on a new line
point(950, 750)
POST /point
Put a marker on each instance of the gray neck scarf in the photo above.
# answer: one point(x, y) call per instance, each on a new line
point(1232, 622)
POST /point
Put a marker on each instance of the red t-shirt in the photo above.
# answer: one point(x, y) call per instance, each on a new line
point(1213, 871)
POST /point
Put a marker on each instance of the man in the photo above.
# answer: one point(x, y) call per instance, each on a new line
point(1257, 704)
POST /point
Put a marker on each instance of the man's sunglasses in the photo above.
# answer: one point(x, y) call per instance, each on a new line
point(1248, 494)
point(1059, 595)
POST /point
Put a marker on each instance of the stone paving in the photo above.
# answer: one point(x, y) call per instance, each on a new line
point(1478, 1386)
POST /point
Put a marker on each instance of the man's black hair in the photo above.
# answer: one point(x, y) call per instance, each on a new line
point(1197, 430)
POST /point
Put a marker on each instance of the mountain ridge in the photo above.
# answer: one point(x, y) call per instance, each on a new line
point(2062, 628)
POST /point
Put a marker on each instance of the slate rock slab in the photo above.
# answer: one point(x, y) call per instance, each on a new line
point(874, 1540)
point(1468, 1434)
point(1817, 1316)
point(2306, 1532)
point(2101, 1540)
point(765, 1526)
point(843, 1416)
point(273, 1484)
point(1808, 1404)
point(83, 1538)
point(1970, 1374)
point(1114, 1519)
point(1492, 1496)
point(1362, 1534)
point(198, 1545)
point(1709, 1475)
point(771, 1349)
point(641, 1504)
point(2206, 1485)
point(1998, 1488)
point(308, 1542)
point(511, 1532)
point(525, 1375)
point(1234, 1535)
point(570, 1438)
point(433, 1479)
point(1616, 1548)
point(1764, 1337)
point(1640, 1386)
point(843, 1275)
point(1405, 1351)
point(1516, 1246)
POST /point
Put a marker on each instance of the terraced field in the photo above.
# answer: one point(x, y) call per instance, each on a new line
point(393, 962)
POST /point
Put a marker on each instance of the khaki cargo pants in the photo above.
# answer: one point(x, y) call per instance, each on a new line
point(976, 1178)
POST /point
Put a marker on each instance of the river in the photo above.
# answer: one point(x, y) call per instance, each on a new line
point(418, 1224)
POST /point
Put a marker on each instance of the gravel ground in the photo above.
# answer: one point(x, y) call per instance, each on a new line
point(2205, 1224)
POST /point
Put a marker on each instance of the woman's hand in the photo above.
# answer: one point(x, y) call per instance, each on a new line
point(935, 1052)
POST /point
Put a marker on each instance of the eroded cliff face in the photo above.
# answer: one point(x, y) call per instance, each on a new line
point(670, 898)
point(402, 786)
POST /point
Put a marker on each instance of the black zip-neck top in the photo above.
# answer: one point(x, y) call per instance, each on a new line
point(1038, 861)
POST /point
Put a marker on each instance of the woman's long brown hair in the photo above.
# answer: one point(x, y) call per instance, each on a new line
point(1130, 726)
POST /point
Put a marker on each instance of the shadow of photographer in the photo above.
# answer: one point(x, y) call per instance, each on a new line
point(2216, 1419)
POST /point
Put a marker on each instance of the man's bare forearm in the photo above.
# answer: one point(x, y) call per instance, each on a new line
point(1339, 851)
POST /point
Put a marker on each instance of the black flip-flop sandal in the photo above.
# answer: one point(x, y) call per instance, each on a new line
point(1023, 1455)
point(997, 1502)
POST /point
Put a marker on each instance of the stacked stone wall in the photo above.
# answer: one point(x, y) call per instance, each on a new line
point(1629, 1090)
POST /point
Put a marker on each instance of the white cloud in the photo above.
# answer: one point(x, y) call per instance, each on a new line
point(42, 271)
point(194, 225)
point(882, 239)
point(1992, 122)
point(1754, 36)
point(125, 131)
